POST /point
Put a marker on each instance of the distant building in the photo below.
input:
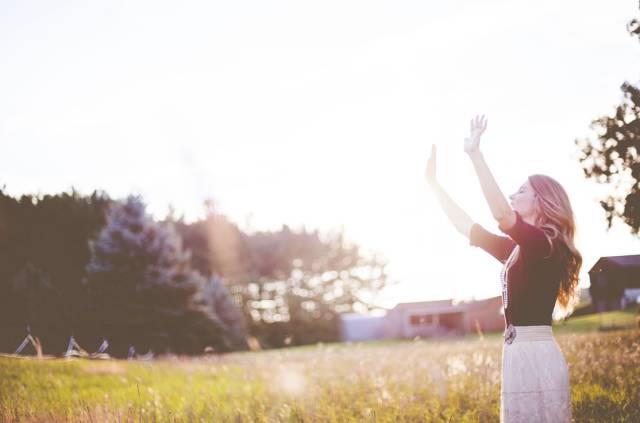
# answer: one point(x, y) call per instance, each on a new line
point(615, 282)
point(361, 327)
point(631, 296)
point(426, 319)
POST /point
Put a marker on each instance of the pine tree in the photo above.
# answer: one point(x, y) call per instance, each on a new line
point(143, 289)
point(230, 316)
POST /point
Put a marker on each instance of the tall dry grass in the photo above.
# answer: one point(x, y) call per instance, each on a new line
point(439, 381)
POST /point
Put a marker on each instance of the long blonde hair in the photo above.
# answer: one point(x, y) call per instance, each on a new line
point(555, 217)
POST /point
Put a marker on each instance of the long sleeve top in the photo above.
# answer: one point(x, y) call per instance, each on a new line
point(533, 279)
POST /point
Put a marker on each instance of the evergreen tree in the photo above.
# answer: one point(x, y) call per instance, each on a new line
point(229, 314)
point(143, 289)
point(44, 254)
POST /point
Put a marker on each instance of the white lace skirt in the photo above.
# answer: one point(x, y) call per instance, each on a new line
point(535, 378)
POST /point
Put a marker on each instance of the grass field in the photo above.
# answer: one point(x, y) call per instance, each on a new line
point(455, 380)
point(599, 321)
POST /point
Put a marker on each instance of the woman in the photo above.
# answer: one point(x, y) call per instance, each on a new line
point(541, 267)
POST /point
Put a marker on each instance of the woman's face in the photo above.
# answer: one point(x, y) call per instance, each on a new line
point(523, 201)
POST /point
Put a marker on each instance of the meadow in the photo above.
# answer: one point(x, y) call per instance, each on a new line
point(443, 380)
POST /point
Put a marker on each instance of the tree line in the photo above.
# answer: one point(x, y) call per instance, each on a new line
point(95, 268)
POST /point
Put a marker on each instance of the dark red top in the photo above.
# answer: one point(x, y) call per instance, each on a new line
point(534, 279)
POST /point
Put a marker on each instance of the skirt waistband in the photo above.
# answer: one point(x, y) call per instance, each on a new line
point(533, 333)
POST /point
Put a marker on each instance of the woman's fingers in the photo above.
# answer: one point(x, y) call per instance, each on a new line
point(482, 122)
point(431, 165)
point(478, 123)
point(432, 156)
point(474, 124)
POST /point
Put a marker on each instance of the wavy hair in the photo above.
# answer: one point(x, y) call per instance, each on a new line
point(555, 217)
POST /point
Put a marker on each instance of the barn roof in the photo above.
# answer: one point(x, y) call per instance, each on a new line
point(438, 303)
point(359, 316)
point(446, 306)
point(617, 262)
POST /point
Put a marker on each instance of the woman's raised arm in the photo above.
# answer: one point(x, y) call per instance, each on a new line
point(456, 215)
point(498, 204)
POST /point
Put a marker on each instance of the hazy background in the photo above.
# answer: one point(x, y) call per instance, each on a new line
point(317, 114)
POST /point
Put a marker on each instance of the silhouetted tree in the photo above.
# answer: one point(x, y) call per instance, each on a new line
point(228, 312)
point(219, 248)
point(44, 252)
point(143, 288)
point(613, 158)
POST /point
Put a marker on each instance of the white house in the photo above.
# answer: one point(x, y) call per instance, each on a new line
point(361, 327)
point(425, 319)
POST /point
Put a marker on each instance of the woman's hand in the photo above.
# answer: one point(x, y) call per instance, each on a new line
point(430, 173)
point(472, 143)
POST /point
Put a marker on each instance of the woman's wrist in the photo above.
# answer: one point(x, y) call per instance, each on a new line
point(474, 154)
point(433, 183)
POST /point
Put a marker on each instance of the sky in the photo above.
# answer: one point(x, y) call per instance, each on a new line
point(318, 114)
